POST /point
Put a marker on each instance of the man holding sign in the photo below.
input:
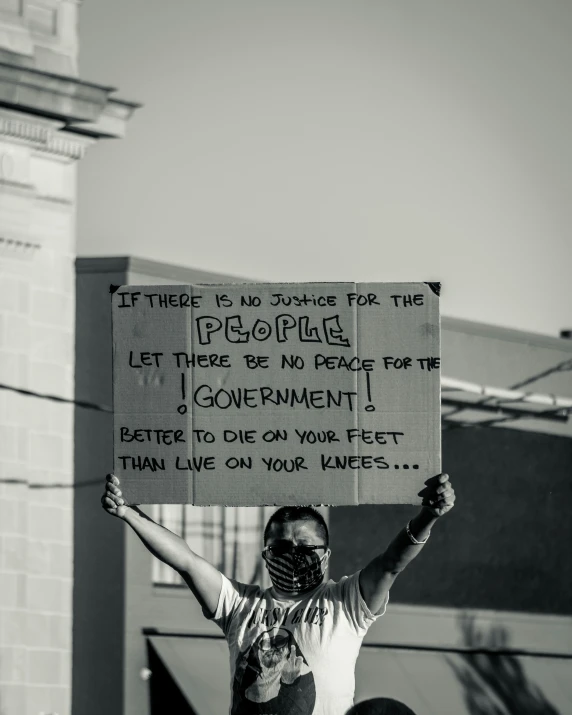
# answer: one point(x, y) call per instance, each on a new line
point(294, 645)
point(257, 394)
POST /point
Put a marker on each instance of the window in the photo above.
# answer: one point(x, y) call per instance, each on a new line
point(229, 537)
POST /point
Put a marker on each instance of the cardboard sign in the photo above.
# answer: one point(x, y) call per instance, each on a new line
point(273, 394)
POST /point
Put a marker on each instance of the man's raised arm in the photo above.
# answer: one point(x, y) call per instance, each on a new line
point(204, 580)
point(378, 576)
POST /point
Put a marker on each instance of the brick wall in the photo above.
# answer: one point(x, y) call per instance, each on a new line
point(37, 292)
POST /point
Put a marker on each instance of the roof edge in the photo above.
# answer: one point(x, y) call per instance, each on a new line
point(134, 264)
point(489, 330)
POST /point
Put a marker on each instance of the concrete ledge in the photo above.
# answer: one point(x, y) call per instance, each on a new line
point(455, 629)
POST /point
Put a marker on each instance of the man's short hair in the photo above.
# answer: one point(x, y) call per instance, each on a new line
point(380, 706)
point(298, 513)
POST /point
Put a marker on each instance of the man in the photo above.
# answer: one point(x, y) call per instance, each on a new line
point(293, 647)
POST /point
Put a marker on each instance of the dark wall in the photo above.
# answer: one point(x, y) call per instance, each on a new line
point(99, 540)
point(506, 544)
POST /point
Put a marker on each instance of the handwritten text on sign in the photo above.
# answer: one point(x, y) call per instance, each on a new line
point(250, 394)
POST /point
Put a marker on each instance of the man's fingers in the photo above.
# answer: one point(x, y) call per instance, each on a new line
point(113, 492)
point(444, 488)
point(112, 500)
point(446, 493)
point(429, 492)
point(437, 502)
point(437, 479)
point(112, 479)
point(434, 489)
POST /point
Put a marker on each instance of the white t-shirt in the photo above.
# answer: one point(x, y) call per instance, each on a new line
point(295, 656)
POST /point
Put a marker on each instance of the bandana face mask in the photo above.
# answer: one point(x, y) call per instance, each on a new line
point(295, 570)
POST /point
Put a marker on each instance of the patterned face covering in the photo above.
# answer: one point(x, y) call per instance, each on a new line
point(294, 570)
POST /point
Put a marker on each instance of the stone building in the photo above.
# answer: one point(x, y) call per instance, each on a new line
point(48, 118)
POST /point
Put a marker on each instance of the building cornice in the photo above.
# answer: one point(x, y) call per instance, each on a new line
point(82, 107)
point(49, 136)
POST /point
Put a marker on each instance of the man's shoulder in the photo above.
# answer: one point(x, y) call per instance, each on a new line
point(343, 580)
point(337, 589)
point(235, 597)
point(243, 590)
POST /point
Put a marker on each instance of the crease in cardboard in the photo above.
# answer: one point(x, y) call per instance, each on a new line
point(357, 425)
point(193, 487)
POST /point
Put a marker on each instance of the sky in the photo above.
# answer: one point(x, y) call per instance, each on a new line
point(317, 140)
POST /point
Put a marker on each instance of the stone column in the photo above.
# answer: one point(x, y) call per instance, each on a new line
point(48, 118)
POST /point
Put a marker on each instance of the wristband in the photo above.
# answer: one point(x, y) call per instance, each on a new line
point(412, 538)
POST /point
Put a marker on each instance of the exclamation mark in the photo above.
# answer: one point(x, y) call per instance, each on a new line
point(370, 407)
point(182, 409)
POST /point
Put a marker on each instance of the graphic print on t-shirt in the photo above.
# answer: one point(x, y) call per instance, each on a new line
point(272, 677)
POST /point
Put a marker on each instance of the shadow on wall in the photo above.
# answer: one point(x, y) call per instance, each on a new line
point(484, 673)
